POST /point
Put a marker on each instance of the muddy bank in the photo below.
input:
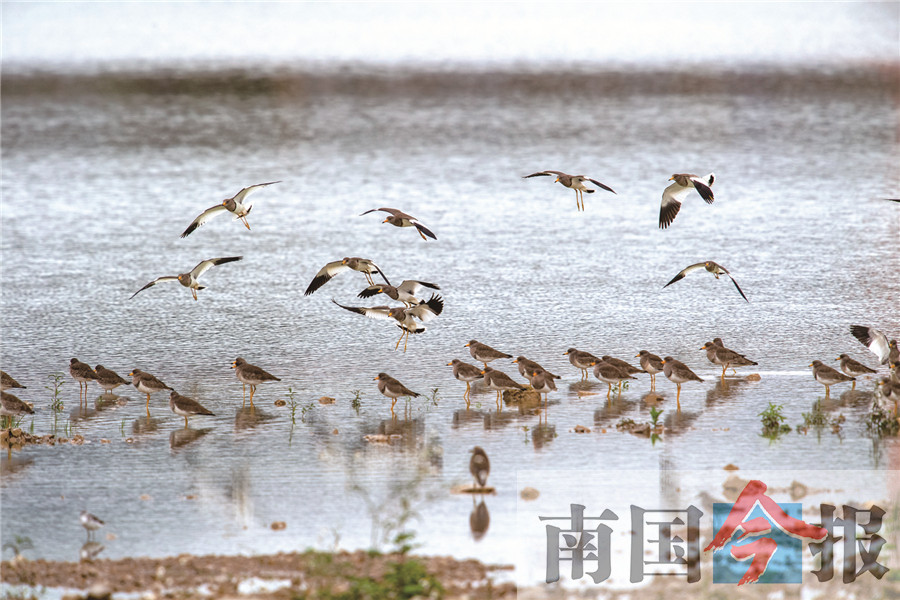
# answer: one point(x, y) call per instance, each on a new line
point(311, 574)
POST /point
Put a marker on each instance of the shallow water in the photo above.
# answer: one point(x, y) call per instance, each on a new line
point(101, 174)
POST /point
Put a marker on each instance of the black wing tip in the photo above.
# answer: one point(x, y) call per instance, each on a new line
point(678, 277)
point(191, 229)
point(426, 231)
point(315, 284)
point(436, 304)
point(368, 292)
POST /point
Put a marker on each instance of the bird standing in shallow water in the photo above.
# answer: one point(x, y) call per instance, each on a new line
point(467, 373)
point(677, 372)
point(853, 368)
point(479, 466)
point(250, 375)
point(828, 376)
point(393, 389)
point(484, 353)
point(500, 382)
point(651, 364)
point(573, 182)
point(186, 407)
point(7, 382)
point(109, 380)
point(718, 354)
point(83, 374)
point(90, 523)
point(147, 384)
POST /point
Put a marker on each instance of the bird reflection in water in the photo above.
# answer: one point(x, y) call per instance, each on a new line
point(144, 425)
point(182, 437)
point(479, 519)
point(90, 550)
point(249, 417)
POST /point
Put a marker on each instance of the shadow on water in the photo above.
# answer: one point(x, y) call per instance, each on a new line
point(90, 550)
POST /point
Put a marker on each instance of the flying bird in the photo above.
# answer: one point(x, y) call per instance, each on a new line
point(675, 194)
point(404, 316)
point(190, 279)
point(877, 343)
point(714, 268)
point(234, 205)
point(405, 292)
point(398, 218)
point(573, 182)
point(363, 265)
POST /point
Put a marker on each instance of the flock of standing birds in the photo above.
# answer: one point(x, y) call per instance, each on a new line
point(414, 311)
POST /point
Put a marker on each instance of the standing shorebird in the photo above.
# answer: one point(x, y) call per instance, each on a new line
point(191, 279)
point(877, 343)
point(186, 407)
point(405, 292)
point(109, 380)
point(250, 375)
point(677, 372)
point(610, 374)
point(542, 382)
point(853, 368)
point(393, 389)
point(651, 364)
point(718, 354)
point(484, 353)
point(90, 523)
point(83, 374)
point(479, 466)
point(398, 218)
point(8, 383)
point(581, 360)
point(147, 384)
point(467, 373)
point(348, 263)
point(11, 406)
point(828, 376)
point(236, 205)
point(675, 194)
point(714, 268)
point(528, 367)
point(573, 182)
point(500, 382)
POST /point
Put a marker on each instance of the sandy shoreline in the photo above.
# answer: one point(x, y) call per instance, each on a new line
point(298, 574)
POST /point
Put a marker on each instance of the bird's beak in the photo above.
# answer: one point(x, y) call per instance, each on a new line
point(838, 358)
point(385, 221)
point(671, 178)
point(131, 374)
point(810, 364)
point(664, 361)
point(482, 372)
point(636, 355)
point(516, 360)
point(466, 346)
point(449, 364)
point(704, 347)
point(224, 202)
point(555, 180)
point(376, 378)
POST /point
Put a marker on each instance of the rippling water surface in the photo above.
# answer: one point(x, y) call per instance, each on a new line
point(101, 174)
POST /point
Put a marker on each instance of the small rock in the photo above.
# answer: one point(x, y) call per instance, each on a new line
point(278, 525)
point(753, 377)
point(731, 467)
point(280, 402)
point(104, 441)
point(529, 493)
point(146, 497)
point(335, 432)
point(582, 429)
point(326, 400)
